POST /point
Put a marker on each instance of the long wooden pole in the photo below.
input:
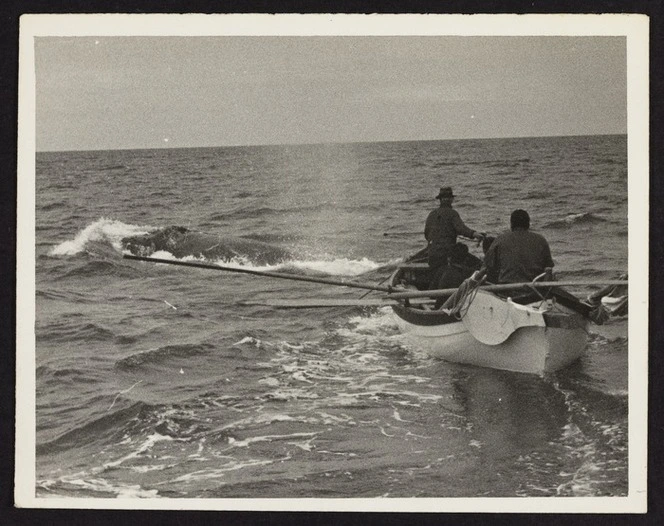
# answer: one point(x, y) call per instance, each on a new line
point(504, 286)
point(263, 273)
point(421, 233)
point(392, 294)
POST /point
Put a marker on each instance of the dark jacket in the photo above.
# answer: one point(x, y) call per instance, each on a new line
point(518, 255)
point(442, 227)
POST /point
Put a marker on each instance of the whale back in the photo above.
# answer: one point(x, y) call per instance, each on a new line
point(182, 242)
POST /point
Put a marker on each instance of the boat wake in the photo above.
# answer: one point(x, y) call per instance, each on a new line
point(296, 397)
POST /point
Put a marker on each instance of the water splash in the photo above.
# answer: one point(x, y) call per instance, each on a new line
point(112, 231)
point(330, 267)
point(108, 230)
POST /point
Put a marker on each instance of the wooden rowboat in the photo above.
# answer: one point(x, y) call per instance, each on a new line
point(495, 331)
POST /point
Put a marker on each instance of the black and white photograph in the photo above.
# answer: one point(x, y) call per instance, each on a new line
point(333, 262)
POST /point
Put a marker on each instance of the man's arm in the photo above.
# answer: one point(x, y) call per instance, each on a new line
point(427, 225)
point(490, 266)
point(461, 228)
point(548, 260)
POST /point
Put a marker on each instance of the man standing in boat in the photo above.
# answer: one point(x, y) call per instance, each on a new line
point(442, 227)
point(519, 254)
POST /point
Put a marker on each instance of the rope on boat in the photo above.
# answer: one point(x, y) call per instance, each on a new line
point(463, 297)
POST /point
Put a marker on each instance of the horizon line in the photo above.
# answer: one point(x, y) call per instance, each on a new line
point(259, 145)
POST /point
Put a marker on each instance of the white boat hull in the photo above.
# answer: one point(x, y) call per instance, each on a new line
point(536, 350)
point(495, 332)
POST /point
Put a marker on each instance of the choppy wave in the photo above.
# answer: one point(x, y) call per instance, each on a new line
point(337, 266)
point(51, 375)
point(275, 238)
point(107, 230)
point(330, 267)
point(585, 459)
point(96, 268)
point(95, 487)
point(154, 356)
point(66, 331)
point(591, 458)
point(492, 163)
point(331, 402)
point(112, 168)
point(588, 274)
point(582, 218)
point(100, 429)
point(113, 231)
point(249, 213)
point(537, 194)
point(64, 295)
point(53, 206)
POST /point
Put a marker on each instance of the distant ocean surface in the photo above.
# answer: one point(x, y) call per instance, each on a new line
point(154, 381)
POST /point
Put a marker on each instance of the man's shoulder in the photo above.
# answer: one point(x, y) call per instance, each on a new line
point(510, 235)
point(503, 237)
point(443, 211)
point(536, 235)
point(448, 211)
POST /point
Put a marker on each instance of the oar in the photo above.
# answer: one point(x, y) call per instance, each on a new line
point(260, 273)
point(403, 233)
point(436, 293)
point(317, 303)
point(421, 233)
point(370, 291)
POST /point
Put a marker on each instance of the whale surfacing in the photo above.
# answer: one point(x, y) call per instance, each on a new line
point(182, 242)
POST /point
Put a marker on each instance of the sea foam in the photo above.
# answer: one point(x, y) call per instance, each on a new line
point(103, 229)
point(330, 267)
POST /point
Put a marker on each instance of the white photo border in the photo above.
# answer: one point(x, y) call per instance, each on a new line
point(634, 27)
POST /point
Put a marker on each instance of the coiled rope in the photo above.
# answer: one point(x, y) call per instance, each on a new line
point(458, 303)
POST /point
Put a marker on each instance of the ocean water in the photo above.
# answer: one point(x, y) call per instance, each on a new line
point(156, 381)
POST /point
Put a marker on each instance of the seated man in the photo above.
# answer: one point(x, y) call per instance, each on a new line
point(518, 255)
point(441, 229)
point(486, 245)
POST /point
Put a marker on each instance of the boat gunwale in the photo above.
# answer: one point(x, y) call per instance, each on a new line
point(416, 315)
point(419, 316)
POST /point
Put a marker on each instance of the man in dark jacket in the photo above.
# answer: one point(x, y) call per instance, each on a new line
point(442, 227)
point(518, 255)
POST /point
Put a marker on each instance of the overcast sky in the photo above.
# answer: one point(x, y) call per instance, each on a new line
point(145, 92)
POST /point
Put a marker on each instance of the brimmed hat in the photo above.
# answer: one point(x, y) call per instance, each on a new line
point(445, 191)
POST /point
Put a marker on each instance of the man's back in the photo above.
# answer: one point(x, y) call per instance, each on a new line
point(518, 255)
point(443, 225)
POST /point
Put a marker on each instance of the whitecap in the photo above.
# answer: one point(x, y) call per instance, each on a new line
point(332, 267)
point(103, 229)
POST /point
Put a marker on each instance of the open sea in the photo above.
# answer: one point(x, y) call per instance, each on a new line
point(156, 381)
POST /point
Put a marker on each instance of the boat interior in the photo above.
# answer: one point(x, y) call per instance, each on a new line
point(415, 274)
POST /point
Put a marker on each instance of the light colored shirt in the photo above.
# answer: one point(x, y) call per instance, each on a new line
point(518, 255)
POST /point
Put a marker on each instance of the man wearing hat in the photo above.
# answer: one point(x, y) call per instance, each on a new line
point(442, 227)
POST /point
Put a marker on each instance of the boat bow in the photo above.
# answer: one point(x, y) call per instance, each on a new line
point(491, 319)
